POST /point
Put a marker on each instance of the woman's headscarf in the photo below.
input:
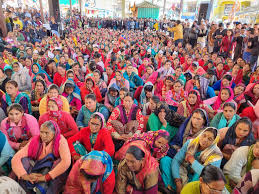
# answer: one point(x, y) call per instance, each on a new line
point(210, 154)
point(75, 93)
point(36, 144)
point(102, 117)
point(230, 137)
point(142, 97)
point(111, 98)
point(40, 71)
point(218, 102)
point(122, 82)
point(21, 75)
point(97, 163)
point(251, 94)
point(198, 103)
point(204, 84)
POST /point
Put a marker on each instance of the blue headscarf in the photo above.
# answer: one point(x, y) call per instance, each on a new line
point(40, 71)
point(75, 93)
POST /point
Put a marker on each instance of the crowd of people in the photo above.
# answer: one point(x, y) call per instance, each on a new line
point(128, 106)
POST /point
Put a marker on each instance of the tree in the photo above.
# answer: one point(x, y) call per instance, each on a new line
point(2, 21)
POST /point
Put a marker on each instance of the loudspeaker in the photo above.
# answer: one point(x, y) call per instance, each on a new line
point(54, 9)
point(203, 12)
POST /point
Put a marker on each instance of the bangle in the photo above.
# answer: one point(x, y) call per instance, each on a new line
point(48, 177)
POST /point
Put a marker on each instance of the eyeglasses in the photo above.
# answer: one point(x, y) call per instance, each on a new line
point(213, 190)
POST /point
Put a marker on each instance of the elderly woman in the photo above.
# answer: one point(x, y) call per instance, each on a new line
point(53, 92)
point(212, 180)
point(64, 120)
point(226, 118)
point(195, 154)
point(93, 137)
point(22, 77)
point(125, 120)
point(242, 160)
point(154, 141)
point(137, 172)
point(239, 134)
point(92, 173)
point(13, 95)
point(19, 127)
point(43, 162)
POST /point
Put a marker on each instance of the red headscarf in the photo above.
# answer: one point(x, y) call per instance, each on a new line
point(218, 102)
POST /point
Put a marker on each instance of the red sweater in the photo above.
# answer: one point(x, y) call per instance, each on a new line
point(103, 141)
point(66, 123)
point(58, 79)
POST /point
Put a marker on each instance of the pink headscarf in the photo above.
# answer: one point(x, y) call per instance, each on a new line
point(36, 144)
point(218, 102)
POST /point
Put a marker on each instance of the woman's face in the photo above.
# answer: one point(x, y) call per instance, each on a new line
point(149, 70)
point(118, 76)
point(69, 90)
point(160, 142)
point(224, 95)
point(133, 164)
point(256, 150)
point(256, 90)
point(39, 87)
point(229, 112)
point(178, 72)
point(70, 76)
point(242, 130)
point(53, 93)
point(212, 187)
point(206, 139)
point(235, 69)
point(52, 106)
point(76, 68)
point(177, 87)
point(15, 116)
point(152, 105)
point(95, 125)
point(192, 99)
point(225, 83)
point(61, 70)
point(96, 77)
point(197, 121)
point(169, 83)
point(16, 67)
point(46, 135)
point(127, 102)
point(114, 93)
point(89, 84)
point(219, 66)
point(239, 90)
point(11, 89)
point(35, 68)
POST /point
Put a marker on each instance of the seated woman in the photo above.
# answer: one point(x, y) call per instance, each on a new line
point(211, 180)
point(22, 77)
point(36, 95)
point(154, 141)
point(226, 81)
point(202, 85)
point(242, 161)
point(225, 95)
point(189, 162)
point(122, 93)
point(239, 134)
point(99, 82)
point(239, 93)
point(36, 69)
point(189, 105)
point(164, 118)
point(19, 127)
point(93, 137)
point(179, 74)
point(64, 120)
point(6, 154)
point(90, 87)
point(226, 118)
point(3, 80)
point(137, 172)
point(251, 96)
point(70, 90)
point(249, 183)
point(146, 93)
point(167, 86)
point(91, 106)
point(12, 95)
point(125, 120)
point(119, 80)
point(191, 128)
point(166, 70)
point(150, 106)
point(93, 173)
point(53, 92)
point(49, 152)
point(149, 70)
point(71, 75)
point(111, 96)
point(60, 76)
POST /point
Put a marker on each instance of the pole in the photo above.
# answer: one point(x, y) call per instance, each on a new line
point(2, 21)
point(123, 8)
point(70, 7)
point(80, 6)
point(164, 8)
point(210, 10)
point(41, 12)
point(181, 9)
